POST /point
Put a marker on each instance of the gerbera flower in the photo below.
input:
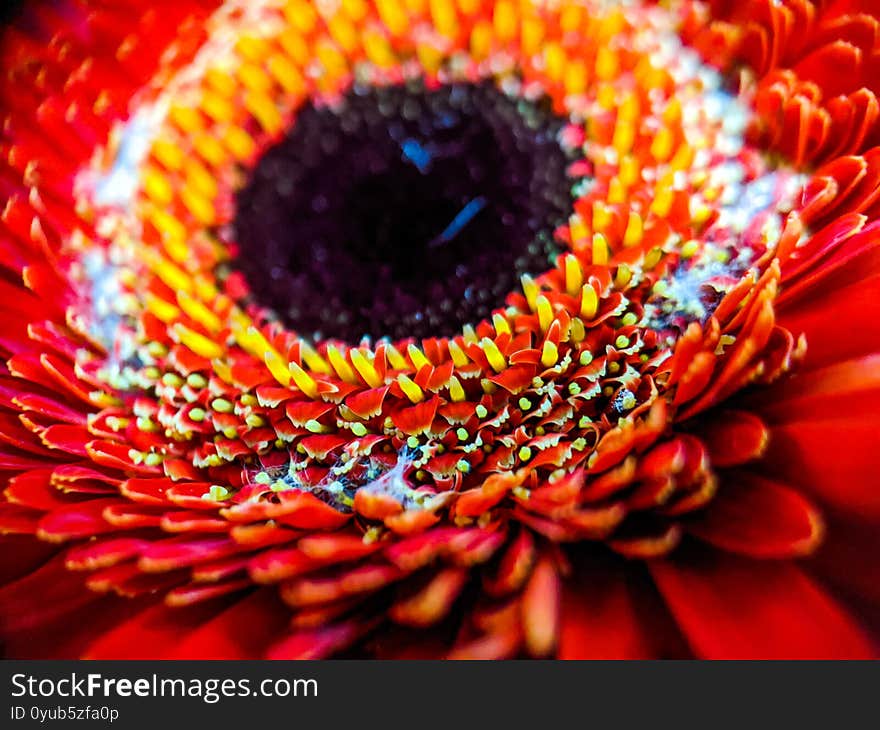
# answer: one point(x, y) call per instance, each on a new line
point(440, 328)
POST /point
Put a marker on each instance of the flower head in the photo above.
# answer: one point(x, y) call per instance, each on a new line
point(380, 328)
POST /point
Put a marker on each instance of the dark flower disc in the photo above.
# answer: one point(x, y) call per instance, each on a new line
point(404, 212)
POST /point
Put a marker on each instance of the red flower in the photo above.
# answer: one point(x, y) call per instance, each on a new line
point(658, 446)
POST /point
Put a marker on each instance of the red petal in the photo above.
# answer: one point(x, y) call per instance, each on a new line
point(514, 568)
point(492, 646)
point(305, 510)
point(41, 597)
point(191, 593)
point(853, 385)
point(242, 631)
point(734, 437)
point(734, 608)
point(21, 555)
point(416, 419)
point(760, 518)
point(177, 553)
point(832, 460)
point(540, 609)
point(316, 644)
point(433, 601)
point(834, 67)
point(610, 610)
point(152, 633)
point(839, 324)
point(849, 558)
point(84, 519)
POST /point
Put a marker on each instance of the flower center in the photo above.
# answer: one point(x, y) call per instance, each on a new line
point(403, 212)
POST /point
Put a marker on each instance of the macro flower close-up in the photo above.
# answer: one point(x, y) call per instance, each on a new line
point(440, 329)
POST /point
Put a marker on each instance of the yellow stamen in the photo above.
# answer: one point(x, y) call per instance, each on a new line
point(201, 208)
point(574, 276)
point(662, 204)
point(168, 154)
point(601, 216)
point(301, 15)
point(365, 368)
point(345, 34)
point(173, 234)
point(445, 17)
point(417, 357)
point(683, 157)
point(209, 149)
point(252, 48)
point(265, 112)
point(606, 63)
point(197, 311)
point(206, 291)
point(186, 118)
point(239, 143)
point(505, 20)
point(653, 258)
point(616, 191)
point(395, 359)
point(500, 323)
point(378, 49)
point(303, 380)
point(312, 359)
point(554, 61)
point(456, 392)
point(216, 106)
point(200, 179)
point(355, 9)
point(340, 364)
point(171, 275)
point(221, 82)
point(459, 359)
point(156, 186)
point(589, 302)
point(280, 371)
point(410, 389)
point(295, 46)
point(634, 230)
point(393, 15)
point(690, 248)
point(197, 342)
point(164, 311)
point(532, 35)
point(255, 420)
point(481, 40)
point(549, 354)
point(607, 95)
point(661, 145)
point(630, 171)
point(286, 74)
point(672, 112)
point(600, 250)
point(493, 355)
point(624, 136)
point(222, 370)
point(530, 289)
point(545, 312)
point(429, 56)
point(576, 77)
point(571, 18)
